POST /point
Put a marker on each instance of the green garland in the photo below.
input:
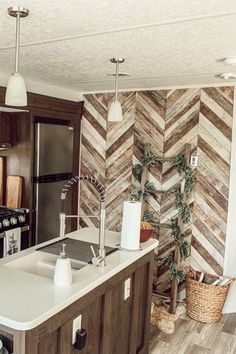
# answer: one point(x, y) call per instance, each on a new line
point(149, 189)
point(180, 238)
point(181, 205)
point(137, 172)
point(149, 158)
point(177, 161)
point(175, 272)
point(148, 216)
point(185, 171)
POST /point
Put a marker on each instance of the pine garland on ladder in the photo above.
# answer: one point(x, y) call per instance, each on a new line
point(181, 205)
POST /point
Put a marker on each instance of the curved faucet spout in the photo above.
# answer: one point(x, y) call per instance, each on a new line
point(95, 182)
point(101, 258)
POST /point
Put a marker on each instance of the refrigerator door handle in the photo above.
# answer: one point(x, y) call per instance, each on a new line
point(55, 177)
point(36, 212)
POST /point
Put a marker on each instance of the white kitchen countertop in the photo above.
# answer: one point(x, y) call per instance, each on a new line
point(27, 300)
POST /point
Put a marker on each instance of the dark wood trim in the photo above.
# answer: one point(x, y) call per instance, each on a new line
point(47, 120)
point(146, 298)
point(48, 103)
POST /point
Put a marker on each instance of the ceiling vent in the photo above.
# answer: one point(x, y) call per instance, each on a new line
point(120, 74)
point(227, 76)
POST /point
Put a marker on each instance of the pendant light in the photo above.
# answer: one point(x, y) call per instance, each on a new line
point(115, 110)
point(16, 91)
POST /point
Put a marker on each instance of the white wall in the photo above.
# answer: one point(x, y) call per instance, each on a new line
point(230, 247)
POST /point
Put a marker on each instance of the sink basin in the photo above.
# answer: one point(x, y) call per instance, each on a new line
point(43, 260)
point(41, 263)
point(75, 249)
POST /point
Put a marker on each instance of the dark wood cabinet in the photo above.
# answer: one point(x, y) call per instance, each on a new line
point(17, 128)
point(6, 138)
point(113, 325)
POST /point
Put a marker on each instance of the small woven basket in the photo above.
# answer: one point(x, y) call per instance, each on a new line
point(204, 302)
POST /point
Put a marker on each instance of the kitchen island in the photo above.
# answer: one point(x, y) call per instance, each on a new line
point(37, 318)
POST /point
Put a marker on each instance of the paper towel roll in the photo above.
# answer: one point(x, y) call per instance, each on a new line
point(130, 232)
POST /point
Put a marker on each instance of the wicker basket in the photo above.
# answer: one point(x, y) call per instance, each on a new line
point(204, 302)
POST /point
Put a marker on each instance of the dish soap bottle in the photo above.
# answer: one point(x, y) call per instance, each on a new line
point(63, 273)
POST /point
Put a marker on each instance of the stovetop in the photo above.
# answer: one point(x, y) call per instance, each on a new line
point(5, 212)
point(11, 218)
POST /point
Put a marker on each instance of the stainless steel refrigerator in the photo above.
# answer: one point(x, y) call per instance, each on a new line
point(52, 168)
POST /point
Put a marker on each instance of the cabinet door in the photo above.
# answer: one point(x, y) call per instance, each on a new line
point(126, 322)
point(48, 344)
point(5, 128)
point(116, 320)
point(91, 322)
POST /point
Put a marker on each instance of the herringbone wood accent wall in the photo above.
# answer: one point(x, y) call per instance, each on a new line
point(212, 178)
point(167, 120)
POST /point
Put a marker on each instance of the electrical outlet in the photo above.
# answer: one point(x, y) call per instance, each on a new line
point(76, 325)
point(127, 289)
point(193, 161)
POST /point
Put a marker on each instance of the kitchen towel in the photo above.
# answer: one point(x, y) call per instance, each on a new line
point(130, 232)
point(12, 241)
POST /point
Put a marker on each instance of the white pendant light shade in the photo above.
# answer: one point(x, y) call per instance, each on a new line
point(16, 91)
point(115, 112)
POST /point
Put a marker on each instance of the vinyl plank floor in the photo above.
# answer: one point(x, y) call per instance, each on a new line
point(209, 333)
point(230, 324)
point(191, 337)
point(225, 343)
point(160, 348)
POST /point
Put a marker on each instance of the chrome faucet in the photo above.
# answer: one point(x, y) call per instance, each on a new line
point(100, 258)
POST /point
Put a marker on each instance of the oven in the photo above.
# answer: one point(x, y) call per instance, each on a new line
point(14, 230)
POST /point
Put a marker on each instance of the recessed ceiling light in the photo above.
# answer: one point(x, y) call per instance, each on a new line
point(230, 61)
point(227, 76)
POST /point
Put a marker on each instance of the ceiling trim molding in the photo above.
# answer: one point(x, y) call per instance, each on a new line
point(225, 84)
point(130, 79)
point(122, 29)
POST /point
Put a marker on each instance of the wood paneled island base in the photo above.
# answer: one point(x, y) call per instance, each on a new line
point(113, 325)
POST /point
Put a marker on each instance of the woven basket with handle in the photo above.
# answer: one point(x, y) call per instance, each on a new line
point(204, 302)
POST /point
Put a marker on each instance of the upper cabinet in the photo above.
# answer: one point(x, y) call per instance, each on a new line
point(6, 136)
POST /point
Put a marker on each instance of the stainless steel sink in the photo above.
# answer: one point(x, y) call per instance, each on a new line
point(75, 249)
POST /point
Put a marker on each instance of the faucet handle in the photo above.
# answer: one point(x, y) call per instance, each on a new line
point(93, 252)
point(96, 260)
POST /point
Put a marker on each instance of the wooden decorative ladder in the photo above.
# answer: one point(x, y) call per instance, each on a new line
point(144, 179)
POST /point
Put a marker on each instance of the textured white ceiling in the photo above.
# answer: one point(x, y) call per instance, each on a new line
point(165, 43)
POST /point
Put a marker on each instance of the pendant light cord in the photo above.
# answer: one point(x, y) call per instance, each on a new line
point(17, 42)
point(116, 82)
